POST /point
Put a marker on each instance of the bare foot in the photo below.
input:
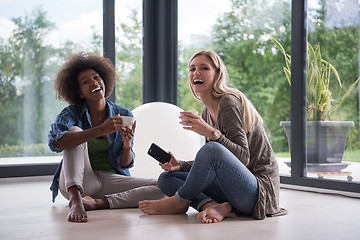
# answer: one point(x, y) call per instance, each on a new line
point(77, 211)
point(164, 206)
point(215, 213)
point(209, 204)
point(94, 204)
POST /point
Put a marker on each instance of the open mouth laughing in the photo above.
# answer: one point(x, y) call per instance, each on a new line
point(98, 89)
point(198, 81)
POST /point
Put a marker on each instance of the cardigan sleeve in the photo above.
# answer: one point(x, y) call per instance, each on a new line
point(231, 125)
point(185, 166)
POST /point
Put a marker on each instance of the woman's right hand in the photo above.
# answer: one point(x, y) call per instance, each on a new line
point(172, 165)
point(111, 125)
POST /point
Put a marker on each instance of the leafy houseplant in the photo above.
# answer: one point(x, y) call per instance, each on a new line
point(319, 96)
point(325, 140)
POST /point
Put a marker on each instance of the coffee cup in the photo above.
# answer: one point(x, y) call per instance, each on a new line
point(184, 114)
point(194, 112)
point(127, 121)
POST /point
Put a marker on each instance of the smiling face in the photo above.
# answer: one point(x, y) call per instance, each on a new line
point(91, 85)
point(202, 74)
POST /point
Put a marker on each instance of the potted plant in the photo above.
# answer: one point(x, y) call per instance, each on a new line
point(325, 140)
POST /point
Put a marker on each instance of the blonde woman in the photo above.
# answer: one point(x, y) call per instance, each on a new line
point(236, 170)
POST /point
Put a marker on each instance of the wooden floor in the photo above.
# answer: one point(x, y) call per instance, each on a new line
point(26, 212)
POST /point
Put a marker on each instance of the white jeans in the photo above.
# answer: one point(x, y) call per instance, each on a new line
point(121, 191)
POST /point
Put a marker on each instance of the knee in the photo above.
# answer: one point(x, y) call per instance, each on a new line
point(213, 146)
point(209, 150)
point(82, 146)
point(163, 180)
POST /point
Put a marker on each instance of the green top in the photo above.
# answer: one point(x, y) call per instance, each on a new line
point(98, 154)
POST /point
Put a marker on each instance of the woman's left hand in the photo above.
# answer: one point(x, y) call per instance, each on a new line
point(127, 135)
point(191, 121)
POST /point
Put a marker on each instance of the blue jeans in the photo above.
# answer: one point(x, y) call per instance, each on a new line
point(216, 175)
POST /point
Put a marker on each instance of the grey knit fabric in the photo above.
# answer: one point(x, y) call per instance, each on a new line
point(252, 149)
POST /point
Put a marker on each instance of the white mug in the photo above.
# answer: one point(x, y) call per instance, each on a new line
point(127, 121)
point(194, 112)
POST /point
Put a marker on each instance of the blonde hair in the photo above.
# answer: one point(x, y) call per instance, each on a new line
point(220, 88)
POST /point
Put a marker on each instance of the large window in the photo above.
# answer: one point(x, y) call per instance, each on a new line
point(324, 68)
point(195, 32)
point(36, 37)
point(128, 53)
point(241, 33)
point(333, 120)
point(253, 38)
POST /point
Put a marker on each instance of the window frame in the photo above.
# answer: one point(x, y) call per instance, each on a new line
point(298, 108)
point(24, 170)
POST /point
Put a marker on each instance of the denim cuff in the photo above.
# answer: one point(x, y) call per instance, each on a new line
point(194, 204)
point(202, 203)
point(181, 199)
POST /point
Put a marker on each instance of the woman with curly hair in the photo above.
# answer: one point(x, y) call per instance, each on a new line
point(236, 170)
point(97, 149)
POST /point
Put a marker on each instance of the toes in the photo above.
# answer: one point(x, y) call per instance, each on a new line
point(145, 210)
point(144, 206)
point(201, 215)
point(207, 220)
point(77, 218)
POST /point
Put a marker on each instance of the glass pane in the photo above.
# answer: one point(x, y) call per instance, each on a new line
point(332, 141)
point(128, 47)
point(36, 37)
point(241, 33)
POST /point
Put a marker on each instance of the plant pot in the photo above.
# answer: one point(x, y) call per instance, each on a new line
point(325, 140)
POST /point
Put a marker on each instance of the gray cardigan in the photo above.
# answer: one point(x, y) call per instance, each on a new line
point(253, 149)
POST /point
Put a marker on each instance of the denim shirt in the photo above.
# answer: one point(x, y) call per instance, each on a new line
point(78, 115)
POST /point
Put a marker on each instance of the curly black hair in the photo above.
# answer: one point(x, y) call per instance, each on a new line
point(66, 83)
